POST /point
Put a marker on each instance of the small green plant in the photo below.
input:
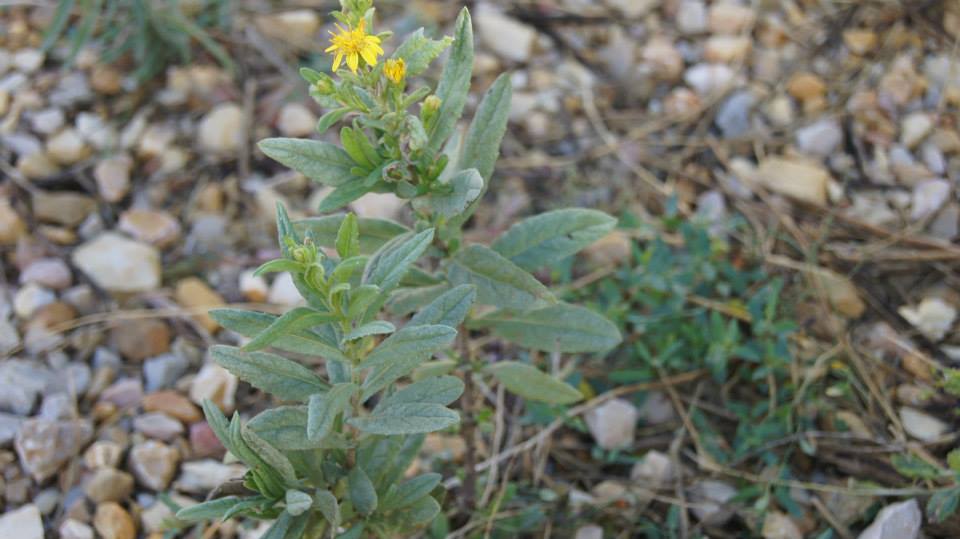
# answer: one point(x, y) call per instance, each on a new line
point(155, 33)
point(332, 462)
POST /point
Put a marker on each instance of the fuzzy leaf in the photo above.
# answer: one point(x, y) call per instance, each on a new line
point(449, 309)
point(328, 506)
point(410, 491)
point(329, 119)
point(348, 237)
point(417, 51)
point(407, 300)
point(412, 418)
point(208, 510)
point(550, 237)
point(467, 186)
point(269, 454)
point(323, 409)
point(298, 502)
point(421, 512)
point(272, 373)
point(561, 327)
point(499, 282)
point(373, 232)
point(377, 327)
point(454, 83)
point(292, 321)
point(250, 324)
point(417, 341)
point(392, 261)
point(533, 384)
point(441, 390)
point(285, 427)
point(319, 161)
point(362, 493)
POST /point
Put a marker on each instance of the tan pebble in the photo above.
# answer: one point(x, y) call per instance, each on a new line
point(195, 294)
point(113, 522)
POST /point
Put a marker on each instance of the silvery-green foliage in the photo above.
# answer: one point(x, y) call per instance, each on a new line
point(329, 461)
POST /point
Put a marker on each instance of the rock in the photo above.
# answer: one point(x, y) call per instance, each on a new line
point(296, 120)
point(140, 339)
point(74, 529)
point(707, 79)
point(57, 406)
point(202, 476)
point(97, 132)
point(657, 408)
point(633, 8)
point(157, 228)
point(203, 442)
point(11, 225)
point(664, 59)
point(195, 295)
point(733, 116)
point(821, 138)
point(253, 287)
point(860, 41)
point(709, 499)
point(113, 522)
point(108, 485)
point(284, 292)
point(692, 17)
point(222, 130)
point(946, 225)
point(777, 525)
point(921, 425)
point(652, 471)
point(729, 17)
point(914, 128)
point(805, 86)
point(897, 521)
point(612, 424)
point(103, 454)
point(67, 147)
point(611, 250)
point(378, 206)
point(47, 272)
point(21, 381)
point(125, 393)
point(44, 446)
point(62, 208)
point(163, 371)
point(36, 166)
point(158, 425)
point(9, 425)
point(933, 317)
point(799, 179)
point(172, 404)
point(106, 80)
point(47, 121)
point(726, 49)
point(154, 464)
point(841, 292)
point(31, 298)
point(156, 139)
point(590, 531)
point(298, 27)
point(780, 111)
point(28, 60)
point(9, 338)
point(118, 264)
point(505, 36)
point(928, 197)
point(22, 523)
point(113, 177)
point(215, 383)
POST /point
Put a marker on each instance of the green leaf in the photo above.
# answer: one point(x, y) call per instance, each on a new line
point(410, 491)
point(418, 51)
point(440, 390)
point(319, 161)
point(943, 504)
point(392, 261)
point(285, 231)
point(218, 423)
point(209, 510)
point(327, 504)
point(561, 327)
point(417, 341)
point(449, 309)
point(292, 321)
point(466, 187)
point(348, 237)
point(377, 327)
point(499, 282)
point(329, 119)
point(407, 300)
point(362, 493)
point(355, 532)
point(550, 237)
point(914, 467)
point(422, 512)
point(269, 454)
point(250, 324)
point(400, 458)
point(350, 191)
point(298, 502)
point(285, 427)
point(323, 409)
point(532, 384)
point(953, 460)
point(482, 145)
point(454, 83)
point(412, 418)
point(279, 265)
point(433, 368)
point(274, 374)
point(373, 232)
point(281, 526)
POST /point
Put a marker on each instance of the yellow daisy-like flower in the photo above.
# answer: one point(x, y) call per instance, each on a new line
point(395, 70)
point(354, 44)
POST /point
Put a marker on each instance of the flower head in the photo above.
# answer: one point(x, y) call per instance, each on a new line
point(395, 70)
point(354, 44)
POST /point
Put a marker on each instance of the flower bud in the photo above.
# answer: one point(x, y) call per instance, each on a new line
point(429, 109)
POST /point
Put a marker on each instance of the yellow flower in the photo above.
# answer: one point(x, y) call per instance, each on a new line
point(354, 44)
point(395, 70)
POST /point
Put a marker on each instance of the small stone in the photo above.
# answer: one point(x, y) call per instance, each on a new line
point(108, 485)
point(113, 522)
point(727, 49)
point(103, 454)
point(172, 404)
point(137, 340)
point(728, 17)
point(296, 120)
point(74, 529)
point(125, 393)
point(63, 208)
point(22, 523)
point(821, 138)
point(154, 464)
point(841, 292)
point(652, 471)
point(106, 80)
point(664, 59)
point(799, 179)
point(195, 295)
point(914, 128)
point(215, 383)
point(203, 441)
point(96, 131)
point(44, 446)
point(777, 525)
point(707, 79)
point(11, 225)
point(253, 287)
point(921, 425)
point(57, 406)
point(9, 425)
point(860, 41)
point(656, 409)
point(633, 8)
point(709, 499)
point(30, 298)
point(933, 317)
point(946, 225)
point(202, 476)
point(157, 228)
point(163, 371)
point(222, 130)
point(298, 27)
point(67, 147)
point(158, 425)
point(155, 140)
point(733, 116)
point(9, 337)
point(505, 36)
point(284, 292)
point(612, 424)
point(928, 197)
point(36, 166)
point(692, 17)
point(590, 531)
point(901, 520)
point(47, 272)
point(47, 121)
point(21, 381)
point(113, 177)
point(806, 86)
point(780, 111)
point(611, 250)
point(28, 60)
point(118, 264)
point(378, 206)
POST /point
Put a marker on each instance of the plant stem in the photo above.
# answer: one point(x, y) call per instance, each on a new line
point(468, 429)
